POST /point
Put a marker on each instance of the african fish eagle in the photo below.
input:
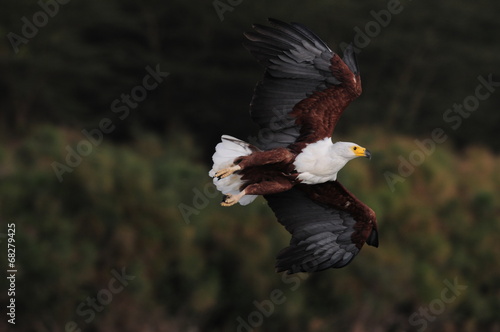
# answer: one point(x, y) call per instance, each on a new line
point(305, 89)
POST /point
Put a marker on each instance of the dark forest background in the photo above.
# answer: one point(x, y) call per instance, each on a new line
point(103, 169)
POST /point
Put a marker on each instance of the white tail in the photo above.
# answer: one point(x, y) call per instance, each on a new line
point(226, 152)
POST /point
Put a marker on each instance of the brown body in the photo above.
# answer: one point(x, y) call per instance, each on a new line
point(268, 172)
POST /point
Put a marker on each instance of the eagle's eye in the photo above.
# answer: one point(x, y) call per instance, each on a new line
point(354, 148)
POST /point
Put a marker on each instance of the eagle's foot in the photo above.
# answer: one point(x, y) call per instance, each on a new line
point(228, 199)
point(227, 171)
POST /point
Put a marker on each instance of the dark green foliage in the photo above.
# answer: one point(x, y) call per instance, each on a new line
point(121, 208)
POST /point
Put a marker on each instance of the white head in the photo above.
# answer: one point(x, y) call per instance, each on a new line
point(320, 161)
point(350, 150)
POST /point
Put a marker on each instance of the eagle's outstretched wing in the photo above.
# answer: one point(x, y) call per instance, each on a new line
point(328, 226)
point(306, 86)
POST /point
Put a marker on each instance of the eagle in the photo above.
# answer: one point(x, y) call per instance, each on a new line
point(293, 162)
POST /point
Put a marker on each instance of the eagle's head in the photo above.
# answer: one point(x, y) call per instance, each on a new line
point(320, 161)
point(350, 150)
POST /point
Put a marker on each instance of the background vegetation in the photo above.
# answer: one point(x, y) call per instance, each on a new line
point(141, 201)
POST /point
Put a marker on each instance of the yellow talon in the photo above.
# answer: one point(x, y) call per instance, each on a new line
point(228, 199)
point(226, 172)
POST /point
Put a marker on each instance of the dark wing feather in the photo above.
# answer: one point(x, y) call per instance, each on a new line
point(325, 234)
point(305, 87)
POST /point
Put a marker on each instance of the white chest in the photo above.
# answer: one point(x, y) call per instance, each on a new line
point(317, 163)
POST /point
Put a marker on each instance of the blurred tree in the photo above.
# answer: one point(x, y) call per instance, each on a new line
point(121, 209)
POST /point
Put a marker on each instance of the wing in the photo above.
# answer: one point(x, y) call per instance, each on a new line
point(328, 226)
point(305, 88)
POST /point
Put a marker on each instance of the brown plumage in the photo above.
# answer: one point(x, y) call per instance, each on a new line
point(318, 114)
point(305, 89)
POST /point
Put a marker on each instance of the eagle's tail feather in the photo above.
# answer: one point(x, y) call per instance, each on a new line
point(226, 152)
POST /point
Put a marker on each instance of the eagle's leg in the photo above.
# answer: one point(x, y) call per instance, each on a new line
point(228, 199)
point(278, 185)
point(258, 158)
point(227, 171)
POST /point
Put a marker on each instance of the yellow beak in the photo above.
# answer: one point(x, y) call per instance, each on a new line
point(362, 152)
